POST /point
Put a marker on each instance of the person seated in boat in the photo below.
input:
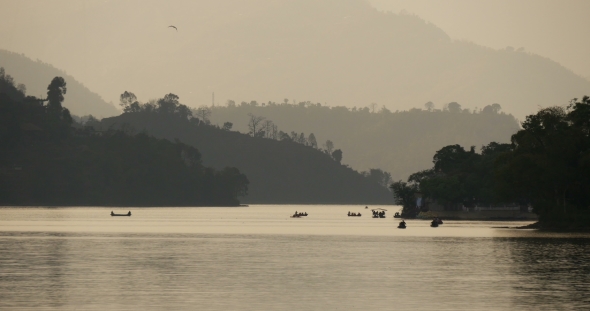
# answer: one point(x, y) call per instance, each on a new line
point(112, 213)
point(348, 213)
point(129, 213)
point(359, 214)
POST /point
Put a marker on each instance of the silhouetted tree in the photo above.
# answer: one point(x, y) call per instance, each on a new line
point(254, 124)
point(204, 113)
point(312, 141)
point(329, 146)
point(227, 126)
point(128, 101)
point(337, 155)
point(167, 104)
point(404, 194)
point(454, 107)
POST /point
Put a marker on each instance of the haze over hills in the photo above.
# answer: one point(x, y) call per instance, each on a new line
point(279, 172)
point(400, 143)
point(35, 74)
point(339, 52)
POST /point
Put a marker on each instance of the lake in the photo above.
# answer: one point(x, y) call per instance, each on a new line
point(258, 258)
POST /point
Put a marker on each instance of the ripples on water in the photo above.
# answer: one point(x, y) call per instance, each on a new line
point(258, 258)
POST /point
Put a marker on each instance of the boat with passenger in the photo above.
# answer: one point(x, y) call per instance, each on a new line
point(113, 214)
point(354, 214)
point(379, 212)
point(402, 225)
point(434, 223)
point(298, 215)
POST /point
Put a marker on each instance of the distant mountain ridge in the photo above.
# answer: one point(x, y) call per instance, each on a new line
point(336, 52)
point(400, 143)
point(36, 76)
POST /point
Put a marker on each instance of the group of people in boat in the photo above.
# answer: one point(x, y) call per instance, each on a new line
point(435, 222)
point(299, 214)
point(378, 214)
point(354, 214)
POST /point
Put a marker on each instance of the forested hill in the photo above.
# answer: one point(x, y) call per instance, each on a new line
point(398, 142)
point(35, 75)
point(278, 171)
point(45, 160)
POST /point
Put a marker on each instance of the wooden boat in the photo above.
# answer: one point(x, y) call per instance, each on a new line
point(434, 224)
point(357, 215)
point(113, 214)
point(397, 215)
point(402, 225)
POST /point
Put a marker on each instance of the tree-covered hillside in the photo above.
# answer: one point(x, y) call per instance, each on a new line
point(35, 74)
point(400, 142)
point(545, 166)
point(46, 159)
point(279, 171)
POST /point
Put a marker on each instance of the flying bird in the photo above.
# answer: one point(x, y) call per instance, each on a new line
point(173, 27)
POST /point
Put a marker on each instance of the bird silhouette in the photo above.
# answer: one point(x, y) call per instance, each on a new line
point(173, 27)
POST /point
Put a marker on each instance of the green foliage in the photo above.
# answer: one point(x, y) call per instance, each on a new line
point(460, 177)
point(285, 169)
point(405, 195)
point(550, 163)
point(47, 162)
point(337, 155)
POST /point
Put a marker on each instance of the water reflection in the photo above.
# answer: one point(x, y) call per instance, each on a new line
point(551, 272)
point(351, 264)
point(28, 265)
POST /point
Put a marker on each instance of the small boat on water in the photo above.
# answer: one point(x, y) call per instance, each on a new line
point(434, 223)
point(128, 214)
point(298, 215)
point(402, 225)
point(379, 212)
point(397, 215)
point(354, 214)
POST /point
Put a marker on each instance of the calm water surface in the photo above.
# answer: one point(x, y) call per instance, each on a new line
point(257, 258)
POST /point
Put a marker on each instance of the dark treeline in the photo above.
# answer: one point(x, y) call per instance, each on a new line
point(279, 170)
point(400, 142)
point(47, 159)
point(546, 166)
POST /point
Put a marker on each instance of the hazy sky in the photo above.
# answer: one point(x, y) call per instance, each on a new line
point(557, 29)
point(117, 45)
